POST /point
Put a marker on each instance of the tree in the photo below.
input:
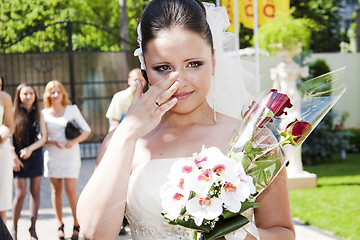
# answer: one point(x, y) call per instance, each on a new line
point(41, 25)
point(326, 15)
point(135, 9)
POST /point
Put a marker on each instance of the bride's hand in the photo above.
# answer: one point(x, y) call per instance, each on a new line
point(146, 110)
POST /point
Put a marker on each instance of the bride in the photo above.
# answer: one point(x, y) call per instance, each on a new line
point(171, 121)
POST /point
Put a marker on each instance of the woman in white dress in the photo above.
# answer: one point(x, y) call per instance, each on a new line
point(7, 128)
point(171, 121)
point(62, 160)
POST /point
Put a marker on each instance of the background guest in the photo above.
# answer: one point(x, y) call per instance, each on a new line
point(121, 100)
point(29, 137)
point(62, 156)
point(7, 153)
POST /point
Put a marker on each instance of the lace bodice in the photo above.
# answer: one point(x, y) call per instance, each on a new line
point(144, 205)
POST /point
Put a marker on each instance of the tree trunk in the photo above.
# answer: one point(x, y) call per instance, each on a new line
point(358, 29)
point(124, 31)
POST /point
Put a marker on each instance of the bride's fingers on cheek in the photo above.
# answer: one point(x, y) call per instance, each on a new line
point(165, 96)
point(165, 83)
point(138, 89)
point(167, 106)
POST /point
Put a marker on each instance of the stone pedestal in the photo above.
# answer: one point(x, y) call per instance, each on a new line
point(302, 180)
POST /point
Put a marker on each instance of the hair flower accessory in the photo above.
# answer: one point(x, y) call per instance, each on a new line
point(139, 52)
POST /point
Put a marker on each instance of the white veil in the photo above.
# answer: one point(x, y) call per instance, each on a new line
point(234, 80)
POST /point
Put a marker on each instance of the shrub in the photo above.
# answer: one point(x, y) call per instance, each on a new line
point(325, 142)
point(284, 31)
point(355, 139)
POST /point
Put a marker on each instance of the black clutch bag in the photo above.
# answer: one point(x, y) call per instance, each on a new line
point(72, 130)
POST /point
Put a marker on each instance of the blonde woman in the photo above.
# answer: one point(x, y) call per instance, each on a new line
point(62, 160)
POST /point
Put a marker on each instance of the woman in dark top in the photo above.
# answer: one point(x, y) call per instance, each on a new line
point(28, 139)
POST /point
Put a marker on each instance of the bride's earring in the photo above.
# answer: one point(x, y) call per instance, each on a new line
point(214, 112)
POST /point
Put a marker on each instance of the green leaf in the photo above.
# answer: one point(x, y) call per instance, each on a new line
point(226, 226)
point(244, 206)
point(257, 150)
point(190, 223)
point(248, 146)
point(246, 162)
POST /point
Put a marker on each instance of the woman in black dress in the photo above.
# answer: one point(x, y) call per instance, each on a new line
point(29, 137)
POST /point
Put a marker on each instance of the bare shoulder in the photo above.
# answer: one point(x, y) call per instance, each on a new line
point(224, 132)
point(227, 122)
point(4, 96)
point(5, 99)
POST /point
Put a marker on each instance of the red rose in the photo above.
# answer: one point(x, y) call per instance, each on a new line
point(299, 129)
point(252, 109)
point(277, 102)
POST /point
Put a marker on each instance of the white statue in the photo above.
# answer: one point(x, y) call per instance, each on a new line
point(284, 76)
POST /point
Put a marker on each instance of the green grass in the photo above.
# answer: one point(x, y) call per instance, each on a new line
point(335, 204)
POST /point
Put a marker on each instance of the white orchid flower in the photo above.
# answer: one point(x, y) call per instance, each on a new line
point(204, 208)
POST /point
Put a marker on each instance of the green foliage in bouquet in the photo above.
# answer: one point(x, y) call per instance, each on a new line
point(257, 164)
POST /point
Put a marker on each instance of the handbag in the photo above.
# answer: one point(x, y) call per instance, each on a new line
point(72, 130)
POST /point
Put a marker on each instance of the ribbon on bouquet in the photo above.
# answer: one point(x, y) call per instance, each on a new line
point(241, 233)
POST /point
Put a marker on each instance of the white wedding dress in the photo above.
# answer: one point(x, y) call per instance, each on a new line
point(143, 208)
point(6, 171)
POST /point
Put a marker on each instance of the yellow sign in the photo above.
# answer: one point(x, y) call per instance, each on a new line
point(267, 10)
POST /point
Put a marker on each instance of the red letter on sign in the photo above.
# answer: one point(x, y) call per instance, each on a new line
point(249, 12)
point(269, 11)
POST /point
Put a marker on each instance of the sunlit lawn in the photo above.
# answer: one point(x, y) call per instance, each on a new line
point(335, 204)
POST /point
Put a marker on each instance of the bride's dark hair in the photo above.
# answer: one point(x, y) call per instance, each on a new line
point(165, 14)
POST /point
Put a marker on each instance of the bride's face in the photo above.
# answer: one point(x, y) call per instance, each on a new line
point(183, 51)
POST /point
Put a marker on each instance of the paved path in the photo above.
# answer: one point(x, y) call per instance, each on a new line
point(47, 224)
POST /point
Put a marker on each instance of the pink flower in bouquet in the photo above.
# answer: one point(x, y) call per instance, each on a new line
point(173, 199)
point(233, 194)
point(278, 102)
point(299, 130)
point(204, 208)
